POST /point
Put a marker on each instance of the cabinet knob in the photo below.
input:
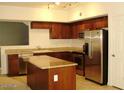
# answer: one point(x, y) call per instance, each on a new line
point(113, 55)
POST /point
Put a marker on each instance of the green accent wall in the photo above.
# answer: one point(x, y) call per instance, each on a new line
point(13, 33)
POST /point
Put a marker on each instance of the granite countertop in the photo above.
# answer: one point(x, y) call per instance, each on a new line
point(43, 50)
point(47, 62)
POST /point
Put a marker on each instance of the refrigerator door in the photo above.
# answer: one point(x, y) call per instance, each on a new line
point(93, 68)
point(87, 37)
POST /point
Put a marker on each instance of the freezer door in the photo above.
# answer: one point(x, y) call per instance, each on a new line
point(87, 37)
point(93, 68)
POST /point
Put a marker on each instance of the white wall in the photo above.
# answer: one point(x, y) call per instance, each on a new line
point(29, 14)
point(95, 9)
point(40, 37)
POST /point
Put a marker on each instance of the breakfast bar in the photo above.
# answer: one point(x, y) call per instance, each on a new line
point(49, 73)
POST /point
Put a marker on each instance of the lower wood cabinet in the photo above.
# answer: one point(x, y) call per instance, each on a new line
point(13, 65)
point(14, 60)
point(69, 56)
point(43, 79)
point(62, 55)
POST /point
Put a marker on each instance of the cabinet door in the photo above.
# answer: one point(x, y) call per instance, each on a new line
point(100, 23)
point(88, 25)
point(67, 56)
point(13, 64)
point(116, 52)
point(74, 29)
point(55, 31)
point(66, 31)
point(80, 26)
point(40, 25)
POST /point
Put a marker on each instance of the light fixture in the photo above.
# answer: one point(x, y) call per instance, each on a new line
point(57, 3)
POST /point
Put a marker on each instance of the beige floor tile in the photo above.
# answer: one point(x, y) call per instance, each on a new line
point(8, 83)
point(81, 83)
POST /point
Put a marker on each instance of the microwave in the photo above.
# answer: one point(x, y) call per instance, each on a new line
point(81, 35)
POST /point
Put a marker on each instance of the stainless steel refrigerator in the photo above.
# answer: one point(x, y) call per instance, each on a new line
point(96, 55)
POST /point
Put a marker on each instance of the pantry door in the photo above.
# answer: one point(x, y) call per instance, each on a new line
point(116, 53)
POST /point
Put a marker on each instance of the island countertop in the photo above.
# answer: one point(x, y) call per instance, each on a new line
point(47, 62)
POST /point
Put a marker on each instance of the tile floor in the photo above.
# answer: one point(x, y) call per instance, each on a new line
point(81, 84)
point(8, 83)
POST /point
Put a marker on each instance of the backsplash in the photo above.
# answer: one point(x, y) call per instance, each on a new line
point(40, 38)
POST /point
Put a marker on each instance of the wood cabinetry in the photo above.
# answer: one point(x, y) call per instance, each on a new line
point(55, 31)
point(60, 31)
point(66, 31)
point(62, 55)
point(43, 79)
point(74, 30)
point(77, 27)
point(71, 30)
point(100, 23)
point(40, 25)
point(13, 64)
point(67, 56)
point(86, 25)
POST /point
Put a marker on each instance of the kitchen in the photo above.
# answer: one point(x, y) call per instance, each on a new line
point(89, 11)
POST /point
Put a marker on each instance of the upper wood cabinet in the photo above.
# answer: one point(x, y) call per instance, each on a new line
point(71, 30)
point(100, 23)
point(86, 25)
point(66, 31)
point(60, 31)
point(40, 25)
point(74, 28)
point(55, 31)
point(78, 27)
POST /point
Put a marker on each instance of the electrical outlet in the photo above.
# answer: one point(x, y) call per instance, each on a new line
point(55, 77)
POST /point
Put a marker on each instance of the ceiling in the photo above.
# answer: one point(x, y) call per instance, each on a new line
point(49, 5)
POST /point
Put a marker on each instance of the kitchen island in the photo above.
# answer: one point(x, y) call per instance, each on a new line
point(49, 73)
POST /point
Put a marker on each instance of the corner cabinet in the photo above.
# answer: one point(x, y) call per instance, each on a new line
point(100, 23)
point(90, 24)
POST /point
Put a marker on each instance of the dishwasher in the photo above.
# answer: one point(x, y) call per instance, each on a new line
point(23, 59)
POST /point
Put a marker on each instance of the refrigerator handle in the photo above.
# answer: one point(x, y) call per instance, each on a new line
point(90, 49)
point(85, 48)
